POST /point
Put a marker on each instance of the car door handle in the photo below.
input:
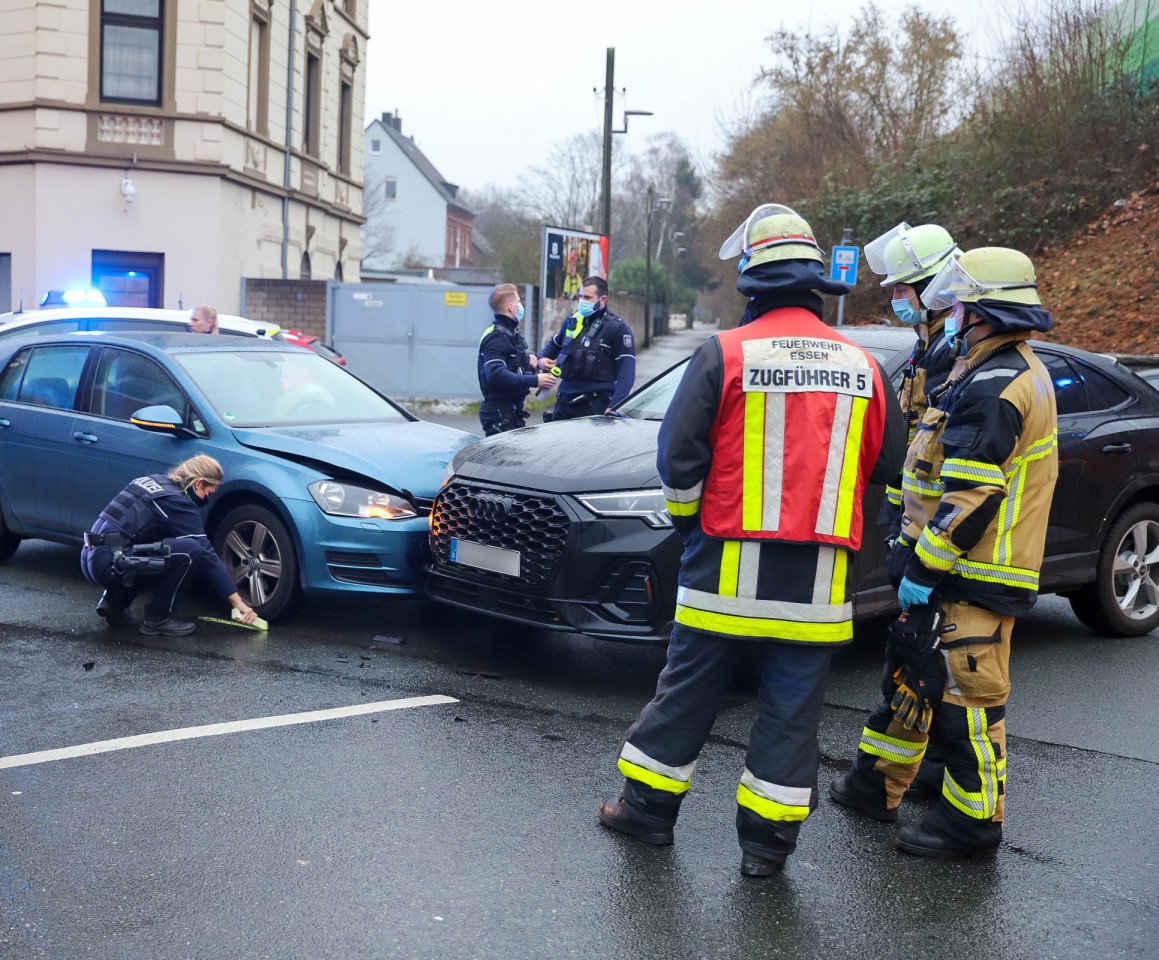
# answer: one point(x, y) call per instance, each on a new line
point(1117, 448)
point(5, 423)
point(85, 437)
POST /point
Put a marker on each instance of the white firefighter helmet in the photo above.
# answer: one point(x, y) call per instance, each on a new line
point(906, 254)
point(771, 232)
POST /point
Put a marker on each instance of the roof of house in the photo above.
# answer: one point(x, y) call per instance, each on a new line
point(392, 125)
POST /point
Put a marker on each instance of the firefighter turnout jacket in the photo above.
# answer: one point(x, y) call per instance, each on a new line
point(928, 367)
point(979, 478)
point(764, 455)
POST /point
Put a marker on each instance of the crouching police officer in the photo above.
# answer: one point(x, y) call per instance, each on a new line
point(506, 370)
point(153, 530)
point(977, 486)
point(595, 354)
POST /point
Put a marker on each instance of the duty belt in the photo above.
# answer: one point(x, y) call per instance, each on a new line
point(114, 540)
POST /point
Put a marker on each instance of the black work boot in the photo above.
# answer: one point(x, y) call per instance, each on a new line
point(753, 865)
point(617, 814)
point(166, 628)
point(845, 791)
point(114, 611)
point(921, 842)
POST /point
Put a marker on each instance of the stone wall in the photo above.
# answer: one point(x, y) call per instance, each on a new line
point(291, 304)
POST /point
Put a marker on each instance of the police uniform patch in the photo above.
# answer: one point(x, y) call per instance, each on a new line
point(628, 340)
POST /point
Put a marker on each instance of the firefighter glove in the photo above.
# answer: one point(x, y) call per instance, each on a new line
point(913, 703)
point(914, 636)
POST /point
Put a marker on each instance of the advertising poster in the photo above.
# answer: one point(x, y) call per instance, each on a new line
point(568, 257)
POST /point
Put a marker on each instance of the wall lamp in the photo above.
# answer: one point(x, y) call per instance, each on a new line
point(128, 191)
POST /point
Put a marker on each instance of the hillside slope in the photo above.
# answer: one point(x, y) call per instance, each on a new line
point(1103, 287)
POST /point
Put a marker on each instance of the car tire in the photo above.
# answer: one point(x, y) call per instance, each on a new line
point(8, 541)
point(1124, 598)
point(259, 556)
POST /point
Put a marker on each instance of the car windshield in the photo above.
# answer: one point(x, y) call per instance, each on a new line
point(284, 388)
point(651, 402)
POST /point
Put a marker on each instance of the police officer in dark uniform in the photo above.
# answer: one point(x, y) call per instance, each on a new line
point(594, 354)
point(162, 512)
point(506, 370)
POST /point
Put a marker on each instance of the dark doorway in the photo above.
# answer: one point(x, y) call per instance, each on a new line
point(129, 279)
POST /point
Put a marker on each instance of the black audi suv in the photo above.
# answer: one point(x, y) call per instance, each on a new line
point(564, 525)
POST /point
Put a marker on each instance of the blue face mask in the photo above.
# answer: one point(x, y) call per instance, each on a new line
point(951, 328)
point(586, 308)
point(904, 311)
point(519, 314)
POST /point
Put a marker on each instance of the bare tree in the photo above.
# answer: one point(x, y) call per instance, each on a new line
point(565, 191)
point(378, 234)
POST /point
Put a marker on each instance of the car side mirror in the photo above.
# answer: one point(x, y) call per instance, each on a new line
point(161, 418)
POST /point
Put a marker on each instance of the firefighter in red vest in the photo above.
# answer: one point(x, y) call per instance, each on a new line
point(764, 454)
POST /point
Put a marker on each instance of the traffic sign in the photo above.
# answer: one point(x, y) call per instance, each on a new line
point(843, 266)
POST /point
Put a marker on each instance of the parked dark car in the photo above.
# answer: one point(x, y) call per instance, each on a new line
point(564, 525)
point(328, 484)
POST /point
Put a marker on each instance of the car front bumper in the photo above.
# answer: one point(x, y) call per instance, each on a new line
point(611, 578)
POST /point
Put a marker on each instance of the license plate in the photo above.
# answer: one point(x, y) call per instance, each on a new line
point(483, 557)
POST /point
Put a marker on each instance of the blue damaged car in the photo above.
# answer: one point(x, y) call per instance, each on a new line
point(328, 484)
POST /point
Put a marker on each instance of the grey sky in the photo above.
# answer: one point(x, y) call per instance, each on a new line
point(486, 89)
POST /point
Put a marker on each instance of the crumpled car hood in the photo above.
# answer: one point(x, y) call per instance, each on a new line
point(411, 455)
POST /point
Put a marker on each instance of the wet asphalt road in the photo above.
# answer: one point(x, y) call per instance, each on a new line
point(467, 829)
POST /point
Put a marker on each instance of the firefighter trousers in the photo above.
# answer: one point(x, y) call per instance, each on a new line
point(968, 732)
point(778, 788)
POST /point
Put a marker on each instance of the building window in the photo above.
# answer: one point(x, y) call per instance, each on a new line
point(131, 35)
point(390, 188)
point(304, 267)
point(313, 105)
point(376, 147)
point(345, 125)
point(259, 72)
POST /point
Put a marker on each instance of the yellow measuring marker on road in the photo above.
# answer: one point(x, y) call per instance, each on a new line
point(259, 624)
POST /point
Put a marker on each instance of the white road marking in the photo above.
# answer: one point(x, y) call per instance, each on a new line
point(216, 729)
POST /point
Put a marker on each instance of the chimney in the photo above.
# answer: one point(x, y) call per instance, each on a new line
point(392, 120)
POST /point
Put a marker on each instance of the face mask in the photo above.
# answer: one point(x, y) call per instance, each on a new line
point(519, 314)
point(199, 501)
point(904, 311)
point(951, 328)
point(586, 308)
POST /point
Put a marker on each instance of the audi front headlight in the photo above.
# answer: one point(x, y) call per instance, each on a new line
point(346, 500)
point(649, 505)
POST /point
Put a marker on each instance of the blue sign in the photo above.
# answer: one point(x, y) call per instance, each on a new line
point(843, 266)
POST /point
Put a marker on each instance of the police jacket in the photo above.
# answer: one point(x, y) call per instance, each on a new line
point(764, 455)
point(154, 508)
point(979, 479)
point(504, 366)
point(600, 355)
point(928, 367)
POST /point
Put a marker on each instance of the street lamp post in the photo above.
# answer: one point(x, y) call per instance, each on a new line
point(606, 176)
point(654, 203)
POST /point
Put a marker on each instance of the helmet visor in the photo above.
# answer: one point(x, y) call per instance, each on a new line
point(875, 252)
point(737, 244)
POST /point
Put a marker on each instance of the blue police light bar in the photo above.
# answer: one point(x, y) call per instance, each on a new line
point(76, 297)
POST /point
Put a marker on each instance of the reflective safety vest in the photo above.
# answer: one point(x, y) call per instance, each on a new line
point(797, 433)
